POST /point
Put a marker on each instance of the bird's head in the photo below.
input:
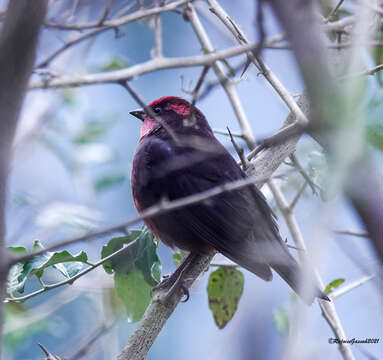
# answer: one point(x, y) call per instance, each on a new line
point(175, 113)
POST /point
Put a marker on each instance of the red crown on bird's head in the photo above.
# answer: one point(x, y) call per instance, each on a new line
point(177, 104)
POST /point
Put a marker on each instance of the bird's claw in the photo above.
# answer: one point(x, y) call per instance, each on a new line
point(170, 284)
point(186, 293)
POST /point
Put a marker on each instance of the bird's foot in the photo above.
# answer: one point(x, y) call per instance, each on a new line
point(172, 283)
point(176, 282)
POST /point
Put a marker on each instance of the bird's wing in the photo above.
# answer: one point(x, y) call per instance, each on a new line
point(239, 224)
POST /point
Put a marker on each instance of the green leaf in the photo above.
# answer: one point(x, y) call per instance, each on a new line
point(124, 260)
point(18, 250)
point(115, 63)
point(224, 291)
point(333, 285)
point(108, 181)
point(141, 254)
point(147, 260)
point(178, 256)
point(134, 291)
point(281, 320)
point(68, 264)
point(136, 269)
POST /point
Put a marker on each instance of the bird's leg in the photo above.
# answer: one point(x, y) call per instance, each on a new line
point(175, 281)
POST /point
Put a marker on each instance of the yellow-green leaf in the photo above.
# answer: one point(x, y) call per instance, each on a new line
point(333, 285)
point(225, 289)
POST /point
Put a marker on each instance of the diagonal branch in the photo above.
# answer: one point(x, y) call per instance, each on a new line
point(328, 308)
point(227, 84)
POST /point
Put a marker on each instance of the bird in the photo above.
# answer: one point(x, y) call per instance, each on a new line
point(177, 156)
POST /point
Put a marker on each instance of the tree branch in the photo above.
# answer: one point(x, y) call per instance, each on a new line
point(136, 70)
point(18, 42)
point(228, 85)
point(328, 308)
point(347, 288)
point(114, 23)
point(158, 312)
point(276, 84)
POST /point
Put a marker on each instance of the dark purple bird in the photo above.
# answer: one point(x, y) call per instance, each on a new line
point(188, 160)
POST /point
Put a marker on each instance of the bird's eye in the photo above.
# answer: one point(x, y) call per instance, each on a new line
point(157, 110)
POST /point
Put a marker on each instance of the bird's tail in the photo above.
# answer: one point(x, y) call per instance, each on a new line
point(304, 284)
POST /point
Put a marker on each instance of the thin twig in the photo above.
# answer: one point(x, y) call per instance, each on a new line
point(68, 45)
point(72, 279)
point(352, 233)
point(225, 132)
point(328, 308)
point(347, 288)
point(298, 196)
point(371, 71)
point(149, 112)
point(101, 331)
point(261, 30)
point(200, 81)
point(48, 354)
point(103, 25)
point(143, 68)
point(333, 11)
point(240, 151)
point(302, 171)
point(106, 12)
point(108, 24)
point(263, 68)
point(157, 50)
point(228, 85)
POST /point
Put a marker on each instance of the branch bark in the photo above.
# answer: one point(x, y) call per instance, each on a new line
point(143, 68)
point(18, 42)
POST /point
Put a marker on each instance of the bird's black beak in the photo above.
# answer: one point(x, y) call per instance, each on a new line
point(139, 114)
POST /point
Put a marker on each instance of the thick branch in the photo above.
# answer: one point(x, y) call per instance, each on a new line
point(18, 42)
point(158, 312)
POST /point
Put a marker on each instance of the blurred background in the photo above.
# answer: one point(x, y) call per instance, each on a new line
point(71, 174)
